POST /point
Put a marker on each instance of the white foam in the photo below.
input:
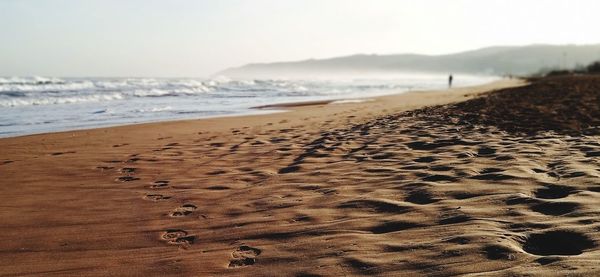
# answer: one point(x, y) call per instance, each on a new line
point(155, 109)
point(29, 80)
point(59, 100)
point(28, 87)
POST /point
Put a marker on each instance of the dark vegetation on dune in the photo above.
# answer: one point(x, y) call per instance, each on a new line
point(567, 104)
point(593, 68)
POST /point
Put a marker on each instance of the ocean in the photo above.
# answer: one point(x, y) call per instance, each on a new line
point(30, 105)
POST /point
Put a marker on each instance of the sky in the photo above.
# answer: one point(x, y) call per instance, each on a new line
point(176, 38)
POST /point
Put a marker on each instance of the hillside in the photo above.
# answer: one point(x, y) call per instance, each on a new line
point(499, 60)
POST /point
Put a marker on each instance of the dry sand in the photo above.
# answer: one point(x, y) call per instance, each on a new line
point(322, 190)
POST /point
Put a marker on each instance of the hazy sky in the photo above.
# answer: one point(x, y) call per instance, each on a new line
point(198, 38)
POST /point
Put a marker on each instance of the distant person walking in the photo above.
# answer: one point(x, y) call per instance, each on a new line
point(450, 81)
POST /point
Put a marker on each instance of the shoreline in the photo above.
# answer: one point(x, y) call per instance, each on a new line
point(281, 107)
point(67, 109)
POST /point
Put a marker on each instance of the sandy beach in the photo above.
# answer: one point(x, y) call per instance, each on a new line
point(499, 179)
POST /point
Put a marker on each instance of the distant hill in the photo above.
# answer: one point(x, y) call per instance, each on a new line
point(498, 60)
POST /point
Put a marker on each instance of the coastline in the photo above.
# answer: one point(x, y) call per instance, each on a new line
point(289, 106)
point(131, 101)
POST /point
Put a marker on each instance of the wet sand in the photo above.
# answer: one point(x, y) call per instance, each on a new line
point(423, 183)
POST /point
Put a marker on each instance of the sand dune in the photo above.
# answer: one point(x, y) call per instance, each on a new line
point(372, 188)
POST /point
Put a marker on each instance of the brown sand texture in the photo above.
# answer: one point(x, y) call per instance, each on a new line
point(439, 183)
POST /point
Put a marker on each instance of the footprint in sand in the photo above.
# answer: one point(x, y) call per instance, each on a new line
point(492, 177)
point(62, 153)
point(504, 158)
point(375, 205)
point(441, 168)
point(439, 178)
point(554, 192)
point(112, 161)
point(393, 226)
point(413, 167)
point(184, 210)
point(217, 172)
point(557, 242)
point(258, 142)
point(276, 140)
point(244, 256)
point(218, 187)
point(592, 154)
point(156, 197)
point(453, 217)
point(179, 237)
point(486, 151)
point(132, 160)
point(289, 169)
point(127, 178)
point(421, 197)
point(498, 252)
point(128, 170)
point(461, 195)
point(555, 208)
point(160, 184)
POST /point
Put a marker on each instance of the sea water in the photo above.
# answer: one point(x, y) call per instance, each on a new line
point(30, 105)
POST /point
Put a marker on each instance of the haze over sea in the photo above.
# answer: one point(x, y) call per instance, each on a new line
point(31, 105)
